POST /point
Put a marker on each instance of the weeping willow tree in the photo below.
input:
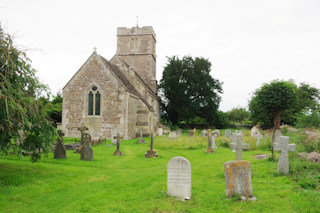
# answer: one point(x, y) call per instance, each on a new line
point(23, 126)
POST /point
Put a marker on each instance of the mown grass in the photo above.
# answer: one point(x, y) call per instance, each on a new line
point(133, 183)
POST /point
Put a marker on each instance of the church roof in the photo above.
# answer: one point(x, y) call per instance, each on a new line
point(125, 81)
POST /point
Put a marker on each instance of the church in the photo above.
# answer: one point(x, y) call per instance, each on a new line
point(117, 95)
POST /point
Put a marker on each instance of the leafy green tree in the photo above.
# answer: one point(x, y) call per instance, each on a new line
point(269, 101)
point(52, 108)
point(188, 90)
point(21, 115)
point(239, 114)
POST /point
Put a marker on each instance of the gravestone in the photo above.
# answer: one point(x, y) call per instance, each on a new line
point(209, 150)
point(82, 129)
point(216, 133)
point(227, 133)
point(179, 132)
point(239, 146)
point(85, 149)
point(160, 131)
point(151, 153)
point(59, 151)
point(254, 131)
point(213, 146)
point(179, 178)
point(284, 147)
point(192, 132)
point(172, 134)
point(276, 136)
point(258, 136)
point(141, 140)
point(114, 133)
point(118, 152)
point(204, 133)
point(238, 178)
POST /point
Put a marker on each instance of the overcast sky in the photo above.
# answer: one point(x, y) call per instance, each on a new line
point(248, 42)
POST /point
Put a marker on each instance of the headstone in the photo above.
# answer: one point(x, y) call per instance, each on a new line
point(213, 146)
point(284, 147)
point(216, 133)
point(179, 132)
point(227, 133)
point(238, 178)
point(172, 134)
point(258, 136)
point(59, 151)
point(191, 133)
point(204, 133)
point(238, 146)
point(179, 178)
point(160, 131)
point(118, 152)
point(86, 150)
point(151, 153)
point(114, 133)
point(82, 129)
point(276, 136)
point(141, 140)
point(209, 150)
point(254, 131)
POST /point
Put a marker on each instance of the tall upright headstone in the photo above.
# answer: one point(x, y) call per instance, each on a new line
point(83, 130)
point(209, 149)
point(118, 152)
point(179, 178)
point(86, 150)
point(254, 130)
point(239, 146)
point(284, 147)
point(216, 133)
point(258, 136)
point(151, 153)
point(227, 133)
point(238, 178)
point(60, 152)
point(141, 139)
point(160, 131)
point(213, 145)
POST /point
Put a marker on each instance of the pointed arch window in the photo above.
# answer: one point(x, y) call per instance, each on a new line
point(94, 101)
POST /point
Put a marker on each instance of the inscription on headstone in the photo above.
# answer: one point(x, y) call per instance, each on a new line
point(179, 178)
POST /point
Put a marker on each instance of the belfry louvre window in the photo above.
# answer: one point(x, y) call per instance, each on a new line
point(94, 101)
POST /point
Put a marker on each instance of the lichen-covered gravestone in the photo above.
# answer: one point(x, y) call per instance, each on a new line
point(258, 136)
point(254, 131)
point(179, 132)
point(204, 133)
point(209, 149)
point(227, 133)
point(284, 147)
point(216, 133)
point(239, 146)
point(60, 152)
point(118, 152)
point(179, 178)
point(86, 150)
point(238, 178)
point(172, 134)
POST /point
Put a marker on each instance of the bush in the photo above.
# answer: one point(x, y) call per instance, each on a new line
point(308, 119)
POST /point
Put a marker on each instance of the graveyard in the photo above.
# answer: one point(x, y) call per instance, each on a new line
point(133, 182)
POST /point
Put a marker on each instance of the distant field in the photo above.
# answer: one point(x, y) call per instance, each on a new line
point(133, 183)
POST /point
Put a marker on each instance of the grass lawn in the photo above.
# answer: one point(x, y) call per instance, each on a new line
point(133, 183)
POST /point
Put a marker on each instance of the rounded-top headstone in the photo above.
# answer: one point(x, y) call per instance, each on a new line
point(179, 178)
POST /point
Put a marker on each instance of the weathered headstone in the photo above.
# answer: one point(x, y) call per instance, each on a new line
point(258, 136)
point(213, 146)
point(141, 140)
point(82, 129)
point(60, 152)
point(239, 146)
point(86, 150)
point(160, 131)
point(227, 133)
point(204, 133)
point(209, 149)
point(216, 133)
point(179, 132)
point(284, 147)
point(254, 131)
point(276, 136)
point(238, 178)
point(172, 134)
point(151, 153)
point(192, 132)
point(179, 178)
point(118, 152)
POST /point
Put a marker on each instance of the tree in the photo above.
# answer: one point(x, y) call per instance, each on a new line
point(188, 90)
point(52, 107)
point(21, 115)
point(269, 101)
point(239, 114)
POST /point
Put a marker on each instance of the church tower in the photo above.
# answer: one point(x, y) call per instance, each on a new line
point(137, 47)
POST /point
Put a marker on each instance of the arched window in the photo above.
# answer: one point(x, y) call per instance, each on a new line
point(94, 101)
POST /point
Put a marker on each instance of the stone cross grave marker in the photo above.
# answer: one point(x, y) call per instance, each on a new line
point(239, 146)
point(141, 140)
point(209, 150)
point(86, 150)
point(227, 133)
point(118, 152)
point(238, 178)
point(258, 136)
point(216, 133)
point(179, 178)
point(284, 147)
point(59, 151)
point(151, 153)
point(82, 130)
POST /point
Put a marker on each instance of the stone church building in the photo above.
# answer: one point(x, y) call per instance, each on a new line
point(117, 95)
